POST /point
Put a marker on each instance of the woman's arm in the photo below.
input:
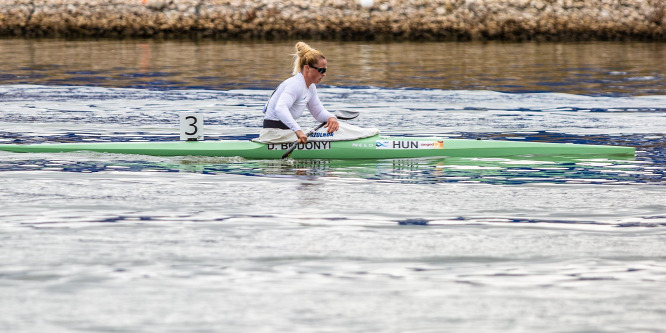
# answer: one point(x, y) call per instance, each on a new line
point(317, 109)
point(282, 106)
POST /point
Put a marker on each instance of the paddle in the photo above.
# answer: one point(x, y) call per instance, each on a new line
point(344, 115)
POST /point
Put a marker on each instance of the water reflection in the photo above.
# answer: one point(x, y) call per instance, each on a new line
point(593, 68)
point(555, 170)
point(499, 171)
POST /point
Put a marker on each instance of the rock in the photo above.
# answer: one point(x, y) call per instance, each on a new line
point(338, 19)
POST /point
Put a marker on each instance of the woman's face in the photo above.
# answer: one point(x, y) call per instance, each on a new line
point(312, 74)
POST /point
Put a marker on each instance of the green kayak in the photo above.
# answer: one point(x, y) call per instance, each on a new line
point(375, 147)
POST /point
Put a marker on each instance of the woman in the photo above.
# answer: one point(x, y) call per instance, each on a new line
point(296, 93)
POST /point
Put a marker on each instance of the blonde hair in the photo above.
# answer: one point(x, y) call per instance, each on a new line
point(305, 55)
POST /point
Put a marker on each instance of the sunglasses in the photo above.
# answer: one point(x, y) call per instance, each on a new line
point(320, 70)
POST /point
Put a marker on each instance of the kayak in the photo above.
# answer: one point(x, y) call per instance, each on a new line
point(374, 147)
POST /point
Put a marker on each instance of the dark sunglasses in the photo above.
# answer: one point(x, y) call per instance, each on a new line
point(320, 70)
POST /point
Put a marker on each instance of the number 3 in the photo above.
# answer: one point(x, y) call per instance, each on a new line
point(191, 126)
point(194, 121)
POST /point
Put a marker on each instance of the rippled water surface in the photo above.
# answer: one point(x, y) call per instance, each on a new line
point(120, 243)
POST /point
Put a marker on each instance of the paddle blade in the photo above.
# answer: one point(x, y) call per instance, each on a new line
point(346, 115)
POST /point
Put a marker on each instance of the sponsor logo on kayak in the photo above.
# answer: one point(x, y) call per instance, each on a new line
point(363, 145)
point(313, 145)
point(321, 135)
point(431, 144)
point(404, 144)
point(384, 144)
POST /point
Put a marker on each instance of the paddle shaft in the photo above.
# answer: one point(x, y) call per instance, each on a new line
point(295, 144)
point(344, 115)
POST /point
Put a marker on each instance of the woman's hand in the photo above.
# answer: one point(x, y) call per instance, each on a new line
point(302, 138)
point(332, 125)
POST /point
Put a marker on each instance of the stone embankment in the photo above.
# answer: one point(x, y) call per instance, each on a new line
point(339, 19)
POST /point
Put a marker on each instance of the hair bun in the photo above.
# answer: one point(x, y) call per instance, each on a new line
point(302, 49)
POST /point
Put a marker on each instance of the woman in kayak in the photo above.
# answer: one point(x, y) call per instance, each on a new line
point(296, 93)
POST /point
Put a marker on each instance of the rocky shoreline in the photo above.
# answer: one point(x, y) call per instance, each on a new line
point(383, 20)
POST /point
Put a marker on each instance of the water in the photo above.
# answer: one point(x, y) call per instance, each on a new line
point(117, 243)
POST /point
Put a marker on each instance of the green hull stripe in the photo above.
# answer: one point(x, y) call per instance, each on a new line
point(368, 148)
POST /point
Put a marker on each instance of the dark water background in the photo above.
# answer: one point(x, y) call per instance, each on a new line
point(590, 68)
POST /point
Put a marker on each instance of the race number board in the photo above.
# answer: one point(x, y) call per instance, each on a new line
point(191, 126)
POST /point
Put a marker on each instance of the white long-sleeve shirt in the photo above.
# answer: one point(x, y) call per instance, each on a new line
point(290, 99)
